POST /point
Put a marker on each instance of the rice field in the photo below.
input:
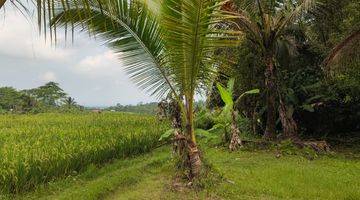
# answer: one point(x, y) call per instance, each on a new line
point(36, 149)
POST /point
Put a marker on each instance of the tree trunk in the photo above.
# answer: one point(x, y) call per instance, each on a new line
point(179, 143)
point(193, 151)
point(161, 111)
point(235, 142)
point(270, 84)
point(254, 117)
point(290, 129)
point(195, 160)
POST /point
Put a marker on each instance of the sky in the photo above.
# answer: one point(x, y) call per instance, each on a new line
point(85, 69)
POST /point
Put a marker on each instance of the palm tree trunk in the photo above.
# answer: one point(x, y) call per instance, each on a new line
point(270, 84)
point(192, 148)
point(289, 125)
point(179, 144)
point(254, 117)
point(235, 142)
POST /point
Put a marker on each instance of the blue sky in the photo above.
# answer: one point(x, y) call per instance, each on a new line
point(86, 70)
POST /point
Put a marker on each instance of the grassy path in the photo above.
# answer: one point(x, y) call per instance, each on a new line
point(247, 175)
point(97, 183)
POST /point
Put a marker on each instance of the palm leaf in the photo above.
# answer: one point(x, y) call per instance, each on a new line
point(285, 18)
point(340, 48)
point(133, 33)
point(245, 21)
point(191, 37)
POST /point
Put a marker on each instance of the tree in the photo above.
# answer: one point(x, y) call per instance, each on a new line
point(172, 57)
point(49, 94)
point(69, 102)
point(264, 24)
point(10, 98)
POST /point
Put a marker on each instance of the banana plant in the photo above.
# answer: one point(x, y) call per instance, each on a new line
point(265, 24)
point(229, 115)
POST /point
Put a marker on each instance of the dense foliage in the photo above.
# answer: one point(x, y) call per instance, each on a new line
point(38, 148)
point(46, 98)
point(140, 108)
point(167, 53)
point(322, 100)
point(303, 55)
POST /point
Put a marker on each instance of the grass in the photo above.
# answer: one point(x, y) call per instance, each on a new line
point(35, 149)
point(92, 156)
point(258, 175)
point(246, 175)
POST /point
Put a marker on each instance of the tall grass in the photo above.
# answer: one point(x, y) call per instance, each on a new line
point(38, 148)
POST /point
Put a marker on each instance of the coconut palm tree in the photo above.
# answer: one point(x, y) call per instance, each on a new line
point(265, 23)
point(166, 53)
point(69, 102)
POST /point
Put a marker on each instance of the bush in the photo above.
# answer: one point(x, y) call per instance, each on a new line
point(204, 119)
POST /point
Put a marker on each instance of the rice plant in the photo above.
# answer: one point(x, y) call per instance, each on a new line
point(39, 148)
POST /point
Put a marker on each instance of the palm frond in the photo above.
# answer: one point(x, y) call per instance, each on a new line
point(291, 14)
point(133, 33)
point(250, 6)
point(245, 12)
point(19, 5)
point(191, 38)
point(345, 46)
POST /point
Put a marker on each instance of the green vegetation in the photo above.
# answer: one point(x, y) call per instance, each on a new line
point(302, 55)
point(229, 117)
point(244, 175)
point(47, 98)
point(169, 54)
point(38, 148)
point(140, 108)
point(323, 101)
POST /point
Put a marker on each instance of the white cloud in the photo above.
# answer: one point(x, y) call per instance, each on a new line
point(48, 76)
point(86, 70)
point(104, 64)
point(19, 38)
point(97, 88)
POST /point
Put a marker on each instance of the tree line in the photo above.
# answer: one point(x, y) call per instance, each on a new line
point(141, 108)
point(45, 98)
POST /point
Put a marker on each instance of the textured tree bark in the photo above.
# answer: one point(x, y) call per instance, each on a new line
point(270, 84)
point(195, 160)
point(161, 111)
point(235, 141)
point(179, 143)
point(192, 148)
point(254, 118)
point(290, 129)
